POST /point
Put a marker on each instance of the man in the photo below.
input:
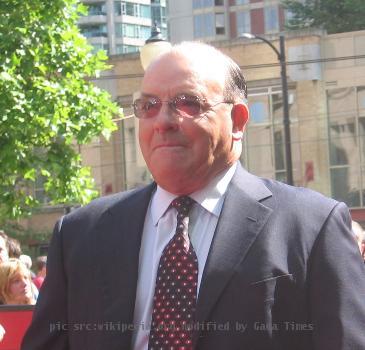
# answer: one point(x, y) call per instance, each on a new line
point(41, 265)
point(209, 256)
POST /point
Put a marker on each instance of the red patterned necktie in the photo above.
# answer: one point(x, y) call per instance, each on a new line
point(174, 301)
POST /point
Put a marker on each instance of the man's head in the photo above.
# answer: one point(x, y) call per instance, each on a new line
point(4, 247)
point(41, 265)
point(196, 131)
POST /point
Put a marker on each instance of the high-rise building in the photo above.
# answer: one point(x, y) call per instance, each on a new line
point(122, 26)
point(210, 20)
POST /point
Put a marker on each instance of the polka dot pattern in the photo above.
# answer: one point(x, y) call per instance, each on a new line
point(174, 301)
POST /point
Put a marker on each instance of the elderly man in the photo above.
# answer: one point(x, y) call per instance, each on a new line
point(208, 256)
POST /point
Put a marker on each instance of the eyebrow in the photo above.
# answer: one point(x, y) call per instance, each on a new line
point(142, 94)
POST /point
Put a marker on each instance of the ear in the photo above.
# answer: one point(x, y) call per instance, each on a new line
point(240, 116)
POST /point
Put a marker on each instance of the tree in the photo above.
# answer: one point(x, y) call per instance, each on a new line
point(47, 104)
point(335, 16)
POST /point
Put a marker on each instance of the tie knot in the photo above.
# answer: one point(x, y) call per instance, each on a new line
point(182, 204)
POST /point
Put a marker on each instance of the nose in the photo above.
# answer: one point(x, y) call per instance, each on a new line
point(166, 119)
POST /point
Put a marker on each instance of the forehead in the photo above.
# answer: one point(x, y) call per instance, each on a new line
point(176, 72)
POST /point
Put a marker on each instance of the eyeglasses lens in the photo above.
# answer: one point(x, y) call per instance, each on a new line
point(186, 106)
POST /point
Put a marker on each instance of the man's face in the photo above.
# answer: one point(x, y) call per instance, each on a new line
point(184, 154)
point(4, 256)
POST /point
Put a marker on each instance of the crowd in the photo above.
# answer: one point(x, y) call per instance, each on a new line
point(19, 285)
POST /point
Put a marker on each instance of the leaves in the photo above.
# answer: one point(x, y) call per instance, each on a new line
point(336, 16)
point(47, 104)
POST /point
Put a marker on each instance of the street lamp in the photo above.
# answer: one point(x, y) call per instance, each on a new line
point(155, 45)
point(284, 85)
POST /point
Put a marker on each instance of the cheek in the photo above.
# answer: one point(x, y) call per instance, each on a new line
point(13, 287)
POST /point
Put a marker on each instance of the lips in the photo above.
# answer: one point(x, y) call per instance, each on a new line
point(168, 145)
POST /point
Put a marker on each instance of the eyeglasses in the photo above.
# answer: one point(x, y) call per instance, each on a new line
point(187, 106)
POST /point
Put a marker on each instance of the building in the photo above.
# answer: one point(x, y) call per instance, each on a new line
point(211, 20)
point(122, 26)
point(326, 76)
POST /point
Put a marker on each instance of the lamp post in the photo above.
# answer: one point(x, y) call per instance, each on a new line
point(284, 85)
point(155, 45)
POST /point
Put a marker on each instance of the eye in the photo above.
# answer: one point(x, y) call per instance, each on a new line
point(146, 107)
point(188, 105)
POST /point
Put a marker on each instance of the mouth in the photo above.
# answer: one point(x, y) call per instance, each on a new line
point(168, 146)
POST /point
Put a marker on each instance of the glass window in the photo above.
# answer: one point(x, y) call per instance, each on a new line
point(242, 2)
point(361, 100)
point(219, 23)
point(130, 9)
point(243, 22)
point(271, 18)
point(362, 138)
point(119, 8)
point(204, 25)
point(119, 30)
point(39, 192)
point(136, 10)
point(145, 11)
point(98, 47)
point(264, 144)
point(342, 125)
point(260, 152)
point(259, 109)
point(219, 2)
point(129, 30)
point(145, 32)
point(95, 30)
point(202, 3)
point(345, 186)
point(120, 49)
point(97, 9)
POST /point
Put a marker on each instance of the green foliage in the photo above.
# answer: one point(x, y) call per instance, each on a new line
point(47, 104)
point(336, 16)
point(30, 240)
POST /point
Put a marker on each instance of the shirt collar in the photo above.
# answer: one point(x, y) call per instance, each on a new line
point(210, 197)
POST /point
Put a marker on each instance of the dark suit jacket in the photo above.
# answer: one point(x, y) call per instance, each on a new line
point(283, 272)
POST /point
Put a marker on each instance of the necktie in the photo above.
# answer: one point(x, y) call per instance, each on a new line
point(174, 301)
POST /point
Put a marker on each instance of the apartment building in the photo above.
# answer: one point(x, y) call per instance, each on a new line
point(122, 26)
point(211, 20)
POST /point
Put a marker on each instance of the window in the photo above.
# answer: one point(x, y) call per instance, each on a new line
point(219, 23)
point(145, 11)
point(243, 22)
point(134, 31)
point(130, 9)
point(39, 191)
point(98, 47)
point(119, 30)
point(202, 3)
point(219, 2)
point(120, 49)
point(119, 8)
point(204, 25)
point(346, 145)
point(242, 2)
point(264, 151)
point(271, 18)
point(95, 30)
point(97, 9)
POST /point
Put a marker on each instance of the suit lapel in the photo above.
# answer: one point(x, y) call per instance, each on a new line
point(118, 243)
point(241, 220)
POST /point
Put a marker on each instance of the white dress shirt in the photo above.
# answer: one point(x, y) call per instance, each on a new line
point(159, 228)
